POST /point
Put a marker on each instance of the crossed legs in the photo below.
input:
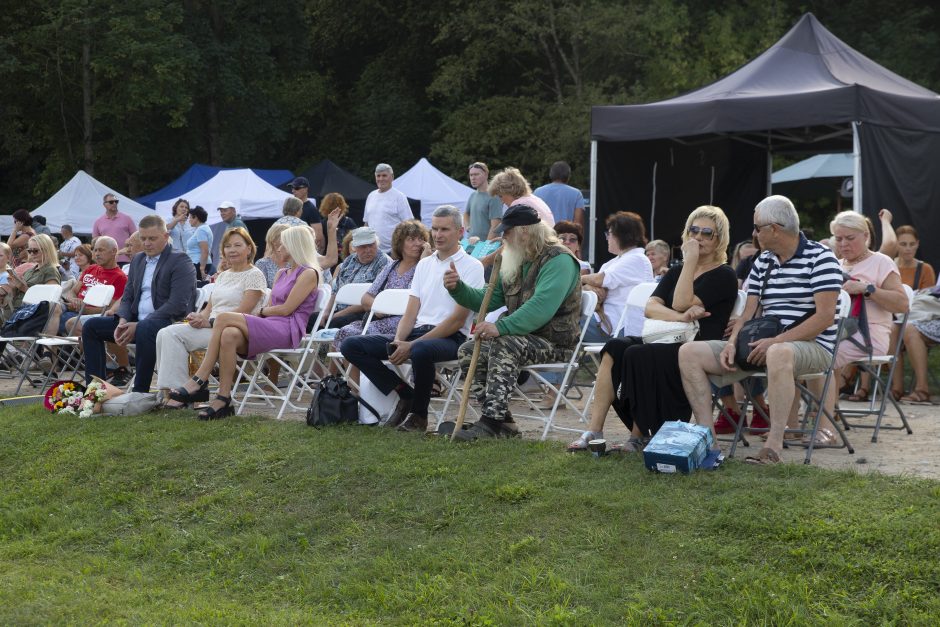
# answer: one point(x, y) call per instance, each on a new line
point(229, 338)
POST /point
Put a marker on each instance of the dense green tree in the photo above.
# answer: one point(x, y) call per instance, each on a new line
point(137, 92)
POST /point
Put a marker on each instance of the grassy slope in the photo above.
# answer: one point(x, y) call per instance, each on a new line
point(164, 519)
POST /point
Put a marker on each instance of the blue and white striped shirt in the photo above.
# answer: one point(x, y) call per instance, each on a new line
point(792, 286)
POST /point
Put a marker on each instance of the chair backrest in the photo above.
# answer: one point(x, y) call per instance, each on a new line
point(39, 293)
point(588, 304)
point(352, 293)
point(99, 295)
point(388, 303)
point(739, 303)
point(640, 294)
point(325, 291)
point(202, 295)
point(844, 306)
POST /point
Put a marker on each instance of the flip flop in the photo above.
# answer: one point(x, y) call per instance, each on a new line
point(765, 457)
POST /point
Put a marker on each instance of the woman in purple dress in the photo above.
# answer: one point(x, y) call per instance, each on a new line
point(280, 324)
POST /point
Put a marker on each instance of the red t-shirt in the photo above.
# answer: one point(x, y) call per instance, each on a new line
point(95, 274)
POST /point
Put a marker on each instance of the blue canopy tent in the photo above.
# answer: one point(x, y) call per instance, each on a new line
point(840, 165)
point(197, 174)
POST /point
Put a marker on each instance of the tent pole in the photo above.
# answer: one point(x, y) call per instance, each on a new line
point(770, 168)
point(653, 207)
point(857, 174)
point(592, 221)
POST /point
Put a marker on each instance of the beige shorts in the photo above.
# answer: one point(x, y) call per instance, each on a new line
point(808, 357)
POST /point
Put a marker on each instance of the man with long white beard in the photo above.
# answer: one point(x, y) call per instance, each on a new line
point(539, 285)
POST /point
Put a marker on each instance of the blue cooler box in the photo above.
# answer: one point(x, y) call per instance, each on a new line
point(679, 447)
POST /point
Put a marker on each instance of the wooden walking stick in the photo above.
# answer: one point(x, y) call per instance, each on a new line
point(471, 369)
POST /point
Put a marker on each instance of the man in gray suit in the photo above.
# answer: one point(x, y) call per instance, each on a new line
point(161, 288)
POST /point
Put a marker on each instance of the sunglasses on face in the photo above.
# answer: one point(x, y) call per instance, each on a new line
point(110, 202)
point(33, 251)
point(706, 232)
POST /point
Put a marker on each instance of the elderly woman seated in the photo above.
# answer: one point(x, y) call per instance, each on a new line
point(41, 267)
point(872, 278)
point(239, 289)
point(642, 381)
point(280, 324)
point(659, 254)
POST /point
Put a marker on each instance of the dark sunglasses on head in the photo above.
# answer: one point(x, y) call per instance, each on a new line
point(33, 251)
point(707, 232)
point(110, 202)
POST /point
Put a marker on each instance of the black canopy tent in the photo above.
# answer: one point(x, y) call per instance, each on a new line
point(808, 93)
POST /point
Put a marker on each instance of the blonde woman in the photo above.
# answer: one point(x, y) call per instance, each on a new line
point(280, 324)
point(642, 381)
point(40, 251)
point(240, 289)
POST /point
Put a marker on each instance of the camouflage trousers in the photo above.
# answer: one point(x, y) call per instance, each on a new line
point(498, 367)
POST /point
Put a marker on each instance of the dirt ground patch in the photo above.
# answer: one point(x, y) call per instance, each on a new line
point(895, 453)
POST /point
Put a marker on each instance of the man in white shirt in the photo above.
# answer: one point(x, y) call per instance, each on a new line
point(431, 331)
point(386, 207)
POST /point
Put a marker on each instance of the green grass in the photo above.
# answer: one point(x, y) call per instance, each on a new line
point(160, 518)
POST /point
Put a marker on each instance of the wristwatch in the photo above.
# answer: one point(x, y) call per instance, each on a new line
point(869, 290)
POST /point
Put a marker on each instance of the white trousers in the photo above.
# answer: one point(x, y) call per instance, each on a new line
point(174, 343)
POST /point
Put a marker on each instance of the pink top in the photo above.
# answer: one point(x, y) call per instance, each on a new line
point(120, 227)
point(539, 205)
point(875, 269)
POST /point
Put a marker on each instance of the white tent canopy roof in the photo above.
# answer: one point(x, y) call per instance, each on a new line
point(252, 196)
point(433, 188)
point(839, 165)
point(79, 203)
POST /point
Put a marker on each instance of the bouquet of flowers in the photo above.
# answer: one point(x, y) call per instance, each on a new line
point(69, 397)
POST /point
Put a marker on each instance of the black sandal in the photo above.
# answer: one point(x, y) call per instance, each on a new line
point(182, 395)
point(224, 411)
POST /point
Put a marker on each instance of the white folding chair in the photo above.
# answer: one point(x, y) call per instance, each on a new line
point(881, 383)
point(297, 362)
point(202, 295)
point(637, 299)
point(35, 294)
point(568, 368)
point(387, 303)
point(67, 353)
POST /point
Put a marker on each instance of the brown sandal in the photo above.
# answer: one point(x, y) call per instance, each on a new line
point(917, 397)
point(859, 396)
point(765, 457)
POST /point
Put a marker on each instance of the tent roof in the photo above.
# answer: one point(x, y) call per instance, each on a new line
point(808, 78)
point(821, 166)
point(433, 188)
point(79, 203)
point(197, 174)
point(326, 177)
point(252, 196)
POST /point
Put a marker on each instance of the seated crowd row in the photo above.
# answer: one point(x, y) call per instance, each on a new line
point(539, 290)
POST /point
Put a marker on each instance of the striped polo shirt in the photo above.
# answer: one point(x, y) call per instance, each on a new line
point(792, 285)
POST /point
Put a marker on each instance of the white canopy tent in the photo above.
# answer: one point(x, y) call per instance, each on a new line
point(432, 188)
point(840, 165)
point(251, 195)
point(79, 203)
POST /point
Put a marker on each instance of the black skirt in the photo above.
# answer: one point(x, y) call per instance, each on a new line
point(647, 384)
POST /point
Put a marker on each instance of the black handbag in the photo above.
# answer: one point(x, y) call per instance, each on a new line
point(760, 328)
point(334, 403)
point(27, 320)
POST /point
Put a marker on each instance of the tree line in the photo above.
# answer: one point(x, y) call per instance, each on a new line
point(134, 93)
